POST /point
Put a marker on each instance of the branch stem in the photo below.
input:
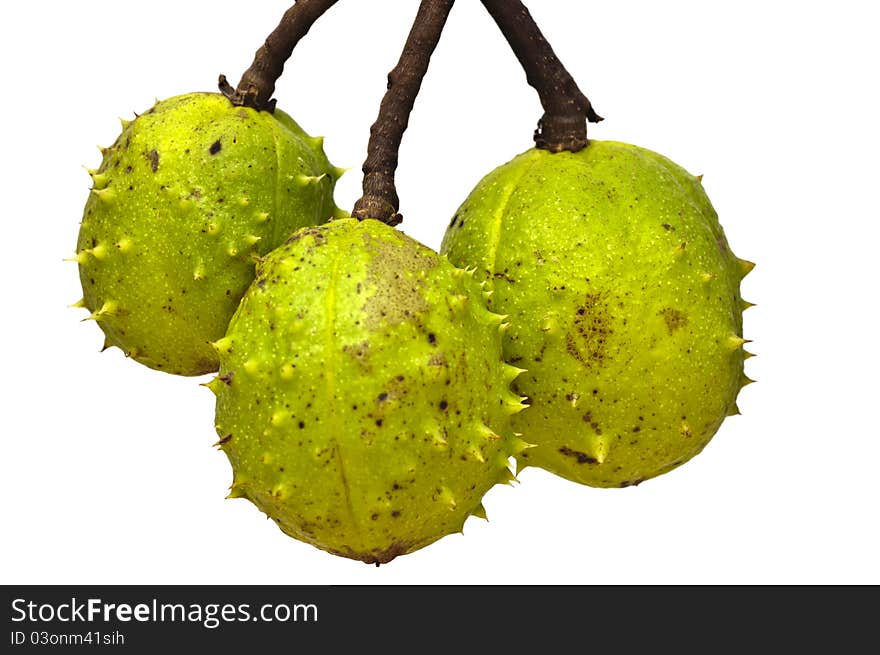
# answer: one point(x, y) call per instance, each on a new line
point(258, 82)
point(566, 109)
point(380, 200)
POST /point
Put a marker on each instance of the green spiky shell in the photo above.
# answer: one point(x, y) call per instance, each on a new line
point(189, 194)
point(624, 304)
point(362, 399)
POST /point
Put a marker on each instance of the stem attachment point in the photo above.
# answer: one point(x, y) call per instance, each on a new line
point(258, 82)
point(563, 127)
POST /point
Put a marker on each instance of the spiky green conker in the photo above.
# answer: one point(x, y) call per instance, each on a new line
point(624, 304)
point(190, 194)
point(362, 399)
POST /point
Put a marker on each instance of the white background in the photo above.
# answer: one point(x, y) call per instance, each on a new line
point(107, 470)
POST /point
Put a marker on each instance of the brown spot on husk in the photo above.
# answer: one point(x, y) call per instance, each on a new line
point(359, 351)
point(675, 319)
point(315, 232)
point(582, 458)
point(591, 328)
point(153, 158)
point(396, 273)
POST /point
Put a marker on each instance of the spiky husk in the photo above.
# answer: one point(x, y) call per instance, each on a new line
point(191, 192)
point(362, 399)
point(624, 304)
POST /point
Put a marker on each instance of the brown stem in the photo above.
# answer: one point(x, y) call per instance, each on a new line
point(258, 82)
point(566, 110)
point(380, 199)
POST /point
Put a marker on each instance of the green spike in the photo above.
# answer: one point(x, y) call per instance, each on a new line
point(448, 498)
point(432, 428)
point(745, 267)
point(519, 445)
point(599, 449)
point(477, 454)
point(735, 341)
point(745, 304)
point(79, 304)
point(99, 180)
point(486, 432)
point(104, 195)
point(109, 308)
point(214, 385)
point(495, 319)
point(124, 245)
point(506, 476)
point(746, 381)
point(262, 217)
point(80, 258)
point(733, 410)
point(237, 491)
point(550, 324)
point(480, 512)
point(305, 180)
point(222, 346)
point(99, 252)
point(514, 404)
point(511, 372)
point(457, 302)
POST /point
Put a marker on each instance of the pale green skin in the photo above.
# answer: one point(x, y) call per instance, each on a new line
point(173, 224)
point(624, 304)
point(363, 401)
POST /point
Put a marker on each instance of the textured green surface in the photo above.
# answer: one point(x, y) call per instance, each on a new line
point(362, 399)
point(623, 298)
point(189, 193)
